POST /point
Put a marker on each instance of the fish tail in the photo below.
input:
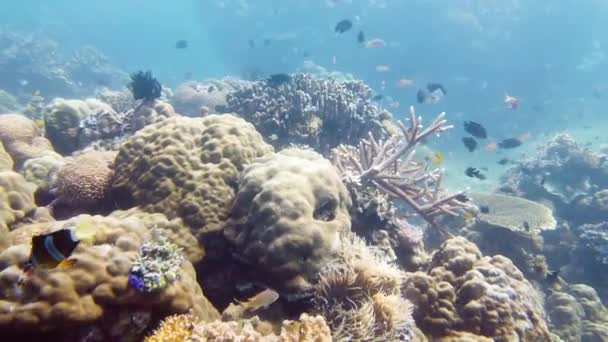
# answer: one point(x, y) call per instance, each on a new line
point(85, 229)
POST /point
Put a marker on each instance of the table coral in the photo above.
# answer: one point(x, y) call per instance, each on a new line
point(95, 288)
point(22, 139)
point(465, 291)
point(186, 167)
point(287, 215)
point(311, 110)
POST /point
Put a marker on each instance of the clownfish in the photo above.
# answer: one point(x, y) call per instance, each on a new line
point(52, 250)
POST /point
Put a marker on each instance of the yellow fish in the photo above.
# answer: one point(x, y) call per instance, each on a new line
point(437, 158)
point(260, 301)
point(468, 216)
point(39, 123)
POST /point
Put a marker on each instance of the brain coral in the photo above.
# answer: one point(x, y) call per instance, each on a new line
point(316, 111)
point(73, 124)
point(83, 182)
point(486, 296)
point(186, 167)
point(287, 215)
point(22, 139)
point(95, 289)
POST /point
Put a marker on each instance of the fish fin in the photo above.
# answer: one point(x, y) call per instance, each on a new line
point(85, 230)
point(66, 263)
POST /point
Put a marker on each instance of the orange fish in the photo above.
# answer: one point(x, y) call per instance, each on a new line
point(511, 102)
point(468, 216)
point(382, 68)
point(402, 83)
point(260, 301)
point(437, 158)
point(490, 147)
point(375, 43)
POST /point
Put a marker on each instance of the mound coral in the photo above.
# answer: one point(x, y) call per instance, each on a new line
point(81, 184)
point(94, 291)
point(22, 139)
point(465, 291)
point(16, 202)
point(6, 162)
point(149, 112)
point(194, 98)
point(359, 295)
point(42, 171)
point(310, 110)
point(285, 230)
point(186, 167)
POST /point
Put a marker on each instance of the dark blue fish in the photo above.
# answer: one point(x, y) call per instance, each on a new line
point(510, 143)
point(432, 87)
point(361, 37)
point(474, 173)
point(469, 143)
point(181, 44)
point(475, 129)
point(343, 26)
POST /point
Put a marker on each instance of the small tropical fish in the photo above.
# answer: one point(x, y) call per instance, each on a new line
point(490, 147)
point(343, 26)
point(511, 102)
point(468, 216)
point(526, 226)
point(469, 143)
point(462, 198)
point(402, 83)
point(542, 181)
point(474, 173)
point(437, 158)
point(421, 96)
point(277, 79)
point(503, 161)
point(52, 250)
point(382, 68)
point(433, 87)
point(484, 209)
point(375, 43)
point(39, 123)
point(360, 37)
point(181, 44)
point(510, 143)
point(261, 300)
point(475, 129)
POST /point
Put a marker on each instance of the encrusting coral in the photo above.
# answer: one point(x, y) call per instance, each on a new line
point(310, 110)
point(486, 296)
point(22, 139)
point(359, 295)
point(287, 215)
point(94, 291)
point(186, 167)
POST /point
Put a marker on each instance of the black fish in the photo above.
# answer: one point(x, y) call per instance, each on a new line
point(542, 181)
point(474, 173)
point(432, 87)
point(277, 79)
point(503, 161)
point(377, 97)
point(421, 96)
point(361, 37)
point(526, 225)
point(475, 129)
point(181, 44)
point(462, 198)
point(469, 143)
point(510, 143)
point(484, 209)
point(343, 26)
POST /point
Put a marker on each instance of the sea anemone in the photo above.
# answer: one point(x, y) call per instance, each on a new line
point(144, 86)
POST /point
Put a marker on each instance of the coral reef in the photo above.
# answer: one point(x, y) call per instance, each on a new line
point(149, 112)
point(173, 328)
point(6, 162)
point(121, 101)
point(157, 264)
point(196, 98)
point(284, 230)
point(74, 124)
point(515, 220)
point(486, 296)
point(307, 328)
point(42, 171)
point(310, 110)
point(390, 167)
point(22, 139)
point(577, 314)
point(83, 183)
point(359, 295)
point(16, 200)
point(94, 292)
point(186, 167)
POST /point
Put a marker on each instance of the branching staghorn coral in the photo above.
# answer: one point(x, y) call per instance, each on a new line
point(389, 165)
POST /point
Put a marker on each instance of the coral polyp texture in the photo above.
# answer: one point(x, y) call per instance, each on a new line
point(287, 216)
point(22, 139)
point(186, 167)
point(16, 204)
point(93, 291)
point(311, 110)
point(486, 296)
point(359, 294)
